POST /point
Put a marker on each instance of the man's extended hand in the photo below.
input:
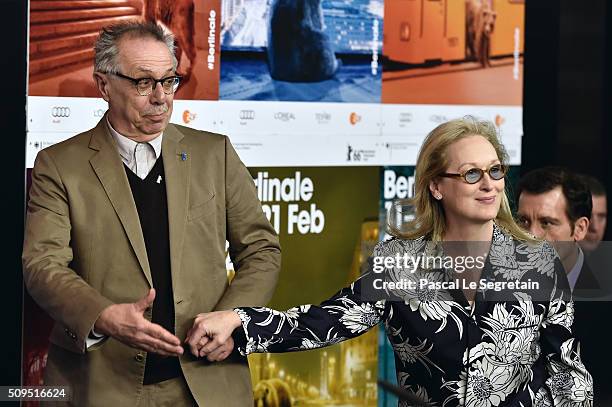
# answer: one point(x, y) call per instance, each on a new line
point(126, 323)
point(211, 334)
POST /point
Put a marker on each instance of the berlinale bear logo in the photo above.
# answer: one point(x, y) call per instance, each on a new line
point(298, 49)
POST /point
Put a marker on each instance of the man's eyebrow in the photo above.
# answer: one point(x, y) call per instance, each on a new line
point(148, 71)
point(548, 219)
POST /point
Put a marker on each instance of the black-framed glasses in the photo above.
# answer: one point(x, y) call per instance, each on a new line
point(473, 175)
point(145, 86)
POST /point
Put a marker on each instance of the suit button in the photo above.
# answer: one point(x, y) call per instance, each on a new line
point(139, 357)
point(70, 333)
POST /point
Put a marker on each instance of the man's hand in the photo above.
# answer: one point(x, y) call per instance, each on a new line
point(211, 333)
point(126, 323)
point(220, 353)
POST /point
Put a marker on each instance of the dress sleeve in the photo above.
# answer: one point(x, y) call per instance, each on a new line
point(343, 316)
point(569, 383)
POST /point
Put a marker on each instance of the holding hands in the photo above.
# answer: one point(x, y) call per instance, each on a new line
point(211, 335)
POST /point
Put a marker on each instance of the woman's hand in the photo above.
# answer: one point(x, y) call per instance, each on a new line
point(211, 334)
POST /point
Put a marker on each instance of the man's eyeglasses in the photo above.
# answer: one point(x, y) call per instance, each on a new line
point(473, 175)
point(145, 86)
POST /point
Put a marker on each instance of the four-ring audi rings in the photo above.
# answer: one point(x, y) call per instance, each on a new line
point(60, 111)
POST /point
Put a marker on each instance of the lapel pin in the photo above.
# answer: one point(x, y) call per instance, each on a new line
point(183, 156)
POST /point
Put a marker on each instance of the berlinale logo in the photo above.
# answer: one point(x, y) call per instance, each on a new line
point(188, 117)
point(352, 154)
point(247, 115)
point(60, 111)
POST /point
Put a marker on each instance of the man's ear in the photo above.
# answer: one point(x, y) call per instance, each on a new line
point(581, 226)
point(102, 84)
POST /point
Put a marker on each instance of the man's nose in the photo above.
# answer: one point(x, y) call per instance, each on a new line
point(157, 95)
point(537, 231)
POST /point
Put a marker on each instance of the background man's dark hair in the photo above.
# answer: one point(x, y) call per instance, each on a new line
point(596, 187)
point(576, 191)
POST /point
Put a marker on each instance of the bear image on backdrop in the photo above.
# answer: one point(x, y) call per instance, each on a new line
point(301, 50)
point(298, 48)
point(178, 17)
point(480, 25)
point(459, 52)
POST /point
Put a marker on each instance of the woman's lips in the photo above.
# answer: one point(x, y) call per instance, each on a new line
point(486, 200)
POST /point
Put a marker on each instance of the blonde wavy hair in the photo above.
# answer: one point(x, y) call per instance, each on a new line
point(432, 161)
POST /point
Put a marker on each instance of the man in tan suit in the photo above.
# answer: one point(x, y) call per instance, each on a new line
point(126, 236)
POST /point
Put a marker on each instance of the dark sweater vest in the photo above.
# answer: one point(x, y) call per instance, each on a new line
point(152, 205)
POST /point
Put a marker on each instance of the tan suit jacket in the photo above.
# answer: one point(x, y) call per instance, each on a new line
point(84, 250)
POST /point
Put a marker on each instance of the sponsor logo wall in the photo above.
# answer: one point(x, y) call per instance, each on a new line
point(285, 134)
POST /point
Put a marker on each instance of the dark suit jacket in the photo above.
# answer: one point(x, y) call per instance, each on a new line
point(84, 250)
point(592, 328)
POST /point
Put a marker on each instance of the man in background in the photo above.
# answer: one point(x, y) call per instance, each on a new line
point(599, 215)
point(555, 204)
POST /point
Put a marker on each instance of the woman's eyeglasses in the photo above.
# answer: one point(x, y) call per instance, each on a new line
point(473, 175)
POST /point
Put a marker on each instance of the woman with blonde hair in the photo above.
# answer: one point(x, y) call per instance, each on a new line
point(493, 331)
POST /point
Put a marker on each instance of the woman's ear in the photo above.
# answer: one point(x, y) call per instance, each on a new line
point(434, 188)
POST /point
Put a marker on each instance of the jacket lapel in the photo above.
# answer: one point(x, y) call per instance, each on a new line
point(177, 166)
point(108, 167)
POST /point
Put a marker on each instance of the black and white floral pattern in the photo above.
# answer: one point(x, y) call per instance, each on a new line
point(516, 352)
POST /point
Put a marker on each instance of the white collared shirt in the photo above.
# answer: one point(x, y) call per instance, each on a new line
point(573, 275)
point(138, 157)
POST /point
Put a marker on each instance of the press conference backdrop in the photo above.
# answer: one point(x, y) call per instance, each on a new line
point(385, 72)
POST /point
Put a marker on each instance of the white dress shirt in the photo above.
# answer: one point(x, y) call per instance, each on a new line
point(138, 157)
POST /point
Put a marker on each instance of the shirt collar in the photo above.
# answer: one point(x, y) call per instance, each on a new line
point(126, 146)
point(573, 275)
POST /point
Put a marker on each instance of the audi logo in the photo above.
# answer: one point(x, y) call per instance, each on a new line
point(97, 113)
point(60, 111)
point(247, 115)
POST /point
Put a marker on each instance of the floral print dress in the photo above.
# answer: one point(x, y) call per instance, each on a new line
point(512, 348)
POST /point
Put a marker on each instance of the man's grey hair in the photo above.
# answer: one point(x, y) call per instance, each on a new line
point(106, 46)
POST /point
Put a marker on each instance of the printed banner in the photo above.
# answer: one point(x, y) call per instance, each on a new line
point(328, 225)
point(62, 36)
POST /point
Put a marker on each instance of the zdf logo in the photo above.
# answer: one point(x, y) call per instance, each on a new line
point(188, 117)
point(60, 111)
